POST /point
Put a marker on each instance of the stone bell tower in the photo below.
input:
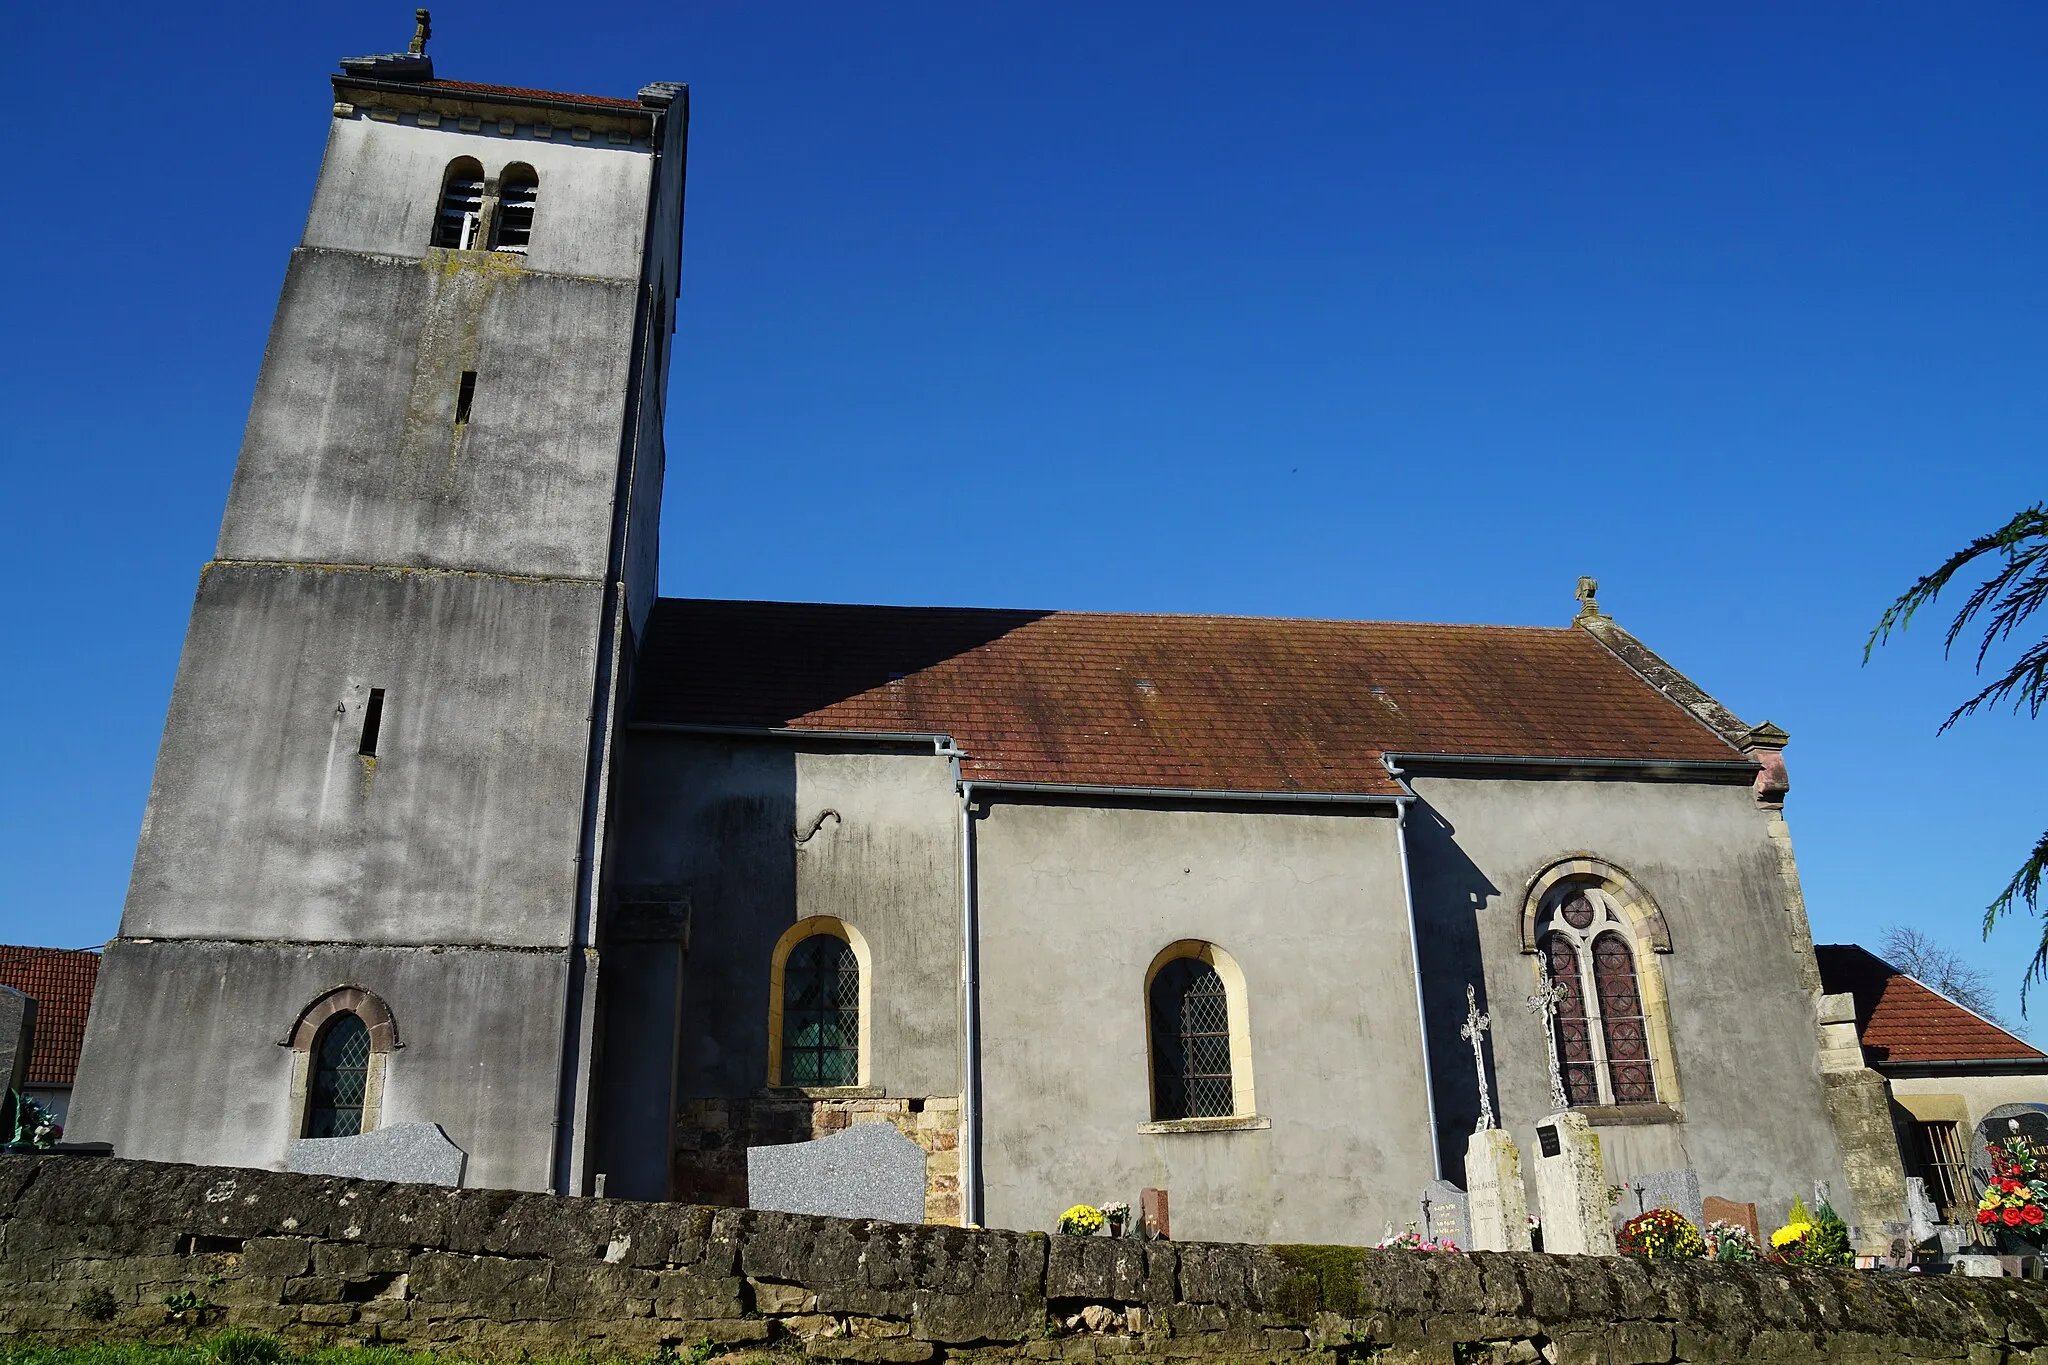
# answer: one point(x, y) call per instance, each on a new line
point(382, 789)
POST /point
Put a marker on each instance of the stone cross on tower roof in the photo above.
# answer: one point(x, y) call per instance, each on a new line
point(423, 29)
point(1474, 1032)
point(1589, 605)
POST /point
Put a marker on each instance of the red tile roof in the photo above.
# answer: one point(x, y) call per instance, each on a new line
point(60, 982)
point(1901, 1020)
point(520, 93)
point(1223, 703)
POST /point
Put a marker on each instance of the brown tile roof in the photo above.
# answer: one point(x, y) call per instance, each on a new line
point(1901, 1020)
point(520, 93)
point(1226, 703)
point(60, 982)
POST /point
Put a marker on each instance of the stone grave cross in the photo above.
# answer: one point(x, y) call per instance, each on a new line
point(1545, 1002)
point(1474, 1032)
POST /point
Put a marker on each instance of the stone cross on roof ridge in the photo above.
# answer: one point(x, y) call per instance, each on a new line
point(423, 29)
point(1589, 604)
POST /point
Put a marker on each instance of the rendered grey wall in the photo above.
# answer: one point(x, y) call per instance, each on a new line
point(719, 817)
point(1074, 904)
point(380, 186)
point(182, 1060)
point(352, 453)
point(265, 823)
point(1755, 1121)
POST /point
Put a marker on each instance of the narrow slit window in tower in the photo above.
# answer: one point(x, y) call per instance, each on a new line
point(465, 394)
point(373, 721)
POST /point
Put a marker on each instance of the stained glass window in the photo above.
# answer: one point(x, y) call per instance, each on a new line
point(341, 1072)
point(1190, 1042)
point(1603, 1037)
point(821, 1013)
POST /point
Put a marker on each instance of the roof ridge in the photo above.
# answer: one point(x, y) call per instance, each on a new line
point(1043, 613)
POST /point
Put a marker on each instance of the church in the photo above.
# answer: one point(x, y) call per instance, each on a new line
point(456, 821)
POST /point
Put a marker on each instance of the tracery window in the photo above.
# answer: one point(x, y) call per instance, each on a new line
point(821, 1013)
point(1603, 1041)
point(341, 1072)
point(460, 215)
point(1191, 1072)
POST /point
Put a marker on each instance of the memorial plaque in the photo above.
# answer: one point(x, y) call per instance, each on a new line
point(867, 1171)
point(1449, 1214)
point(1546, 1138)
point(2026, 1121)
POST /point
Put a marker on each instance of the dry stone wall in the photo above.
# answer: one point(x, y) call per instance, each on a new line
point(103, 1248)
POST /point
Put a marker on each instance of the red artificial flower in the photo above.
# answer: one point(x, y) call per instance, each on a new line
point(1985, 1215)
point(2012, 1218)
point(2033, 1215)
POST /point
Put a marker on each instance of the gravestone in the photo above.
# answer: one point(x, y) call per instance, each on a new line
point(1498, 1205)
point(17, 1036)
point(1921, 1214)
point(1448, 1217)
point(1153, 1222)
point(1676, 1190)
point(1571, 1187)
point(867, 1171)
point(1991, 1266)
point(1715, 1209)
point(2028, 1121)
point(410, 1153)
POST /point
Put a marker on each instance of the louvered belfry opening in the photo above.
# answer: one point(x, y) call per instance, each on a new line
point(341, 1074)
point(821, 1013)
point(518, 193)
point(1190, 1042)
point(460, 216)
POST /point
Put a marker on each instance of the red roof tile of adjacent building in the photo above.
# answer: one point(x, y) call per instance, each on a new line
point(520, 93)
point(60, 981)
point(1221, 703)
point(1902, 1020)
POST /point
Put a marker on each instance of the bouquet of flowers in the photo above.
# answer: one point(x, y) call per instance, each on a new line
point(1730, 1242)
point(1411, 1240)
point(1788, 1243)
point(1082, 1220)
point(33, 1123)
point(1661, 1235)
point(2015, 1196)
point(1117, 1213)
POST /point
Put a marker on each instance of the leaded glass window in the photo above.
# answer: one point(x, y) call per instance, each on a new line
point(1190, 1042)
point(341, 1073)
point(1603, 1037)
point(821, 1013)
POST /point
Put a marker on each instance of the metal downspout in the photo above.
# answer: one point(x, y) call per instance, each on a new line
point(1436, 1152)
point(970, 1006)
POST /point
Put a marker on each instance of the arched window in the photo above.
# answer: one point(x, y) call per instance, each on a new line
point(518, 193)
point(821, 1013)
point(342, 1042)
point(1190, 1042)
point(341, 1074)
point(1201, 1041)
point(460, 215)
point(1603, 1035)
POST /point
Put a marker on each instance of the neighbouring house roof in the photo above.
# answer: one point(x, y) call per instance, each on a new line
point(1225, 703)
point(60, 981)
point(1901, 1020)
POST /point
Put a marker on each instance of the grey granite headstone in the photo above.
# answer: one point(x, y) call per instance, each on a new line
point(410, 1153)
point(1677, 1190)
point(1448, 1214)
point(868, 1171)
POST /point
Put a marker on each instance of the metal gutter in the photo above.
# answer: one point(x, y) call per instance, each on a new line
point(940, 742)
point(1197, 794)
point(1976, 1065)
point(1436, 1146)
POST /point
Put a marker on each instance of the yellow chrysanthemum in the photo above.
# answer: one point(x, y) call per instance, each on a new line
point(1790, 1233)
point(1082, 1220)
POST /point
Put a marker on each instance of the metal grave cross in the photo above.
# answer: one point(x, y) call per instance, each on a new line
point(1474, 1032)
point(1548, 997)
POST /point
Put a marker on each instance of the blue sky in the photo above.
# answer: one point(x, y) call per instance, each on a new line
point(1342, 310)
